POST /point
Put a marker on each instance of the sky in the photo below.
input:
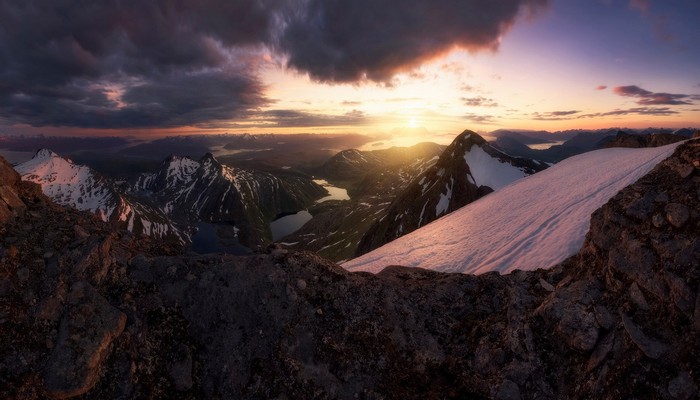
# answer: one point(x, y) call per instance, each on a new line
point(409, 67)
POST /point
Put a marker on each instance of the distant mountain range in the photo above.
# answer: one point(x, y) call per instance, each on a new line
point(80, 187)
point(576, 141)
point(392, 191)
point(182, 192)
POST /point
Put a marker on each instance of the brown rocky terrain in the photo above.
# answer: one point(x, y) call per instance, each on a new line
point(88, 312)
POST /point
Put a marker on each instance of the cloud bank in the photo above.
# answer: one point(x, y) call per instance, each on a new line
point(347, 41)
point(168, 63)
point(647, 98)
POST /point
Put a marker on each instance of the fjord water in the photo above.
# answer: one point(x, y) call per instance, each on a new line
point(290, 223)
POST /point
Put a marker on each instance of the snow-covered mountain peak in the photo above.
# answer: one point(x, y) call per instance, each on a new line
point(468, 169)
point(78, 186)
point(180, 169)
point(209, 158)
point(532, 223)
point(48, 168)
point(210, 165)
point(44, 154)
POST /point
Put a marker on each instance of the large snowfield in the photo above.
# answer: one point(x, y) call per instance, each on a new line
point(535, 222)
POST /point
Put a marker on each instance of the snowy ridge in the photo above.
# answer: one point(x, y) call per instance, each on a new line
point(69, 184)
point(486, 170)
point(533, 223)
point(79, 187)
point(469, 168)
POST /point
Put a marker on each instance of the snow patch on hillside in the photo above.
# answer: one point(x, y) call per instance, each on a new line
point(536, 222)
point(489, 171)
point(444, 201)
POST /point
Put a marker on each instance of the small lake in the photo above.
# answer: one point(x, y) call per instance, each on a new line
point(334, 192)
point(544, 146)
point(217, 238)
point(288, 224)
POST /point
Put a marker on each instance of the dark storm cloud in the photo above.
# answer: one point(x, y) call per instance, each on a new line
point(347, 41)
point(135, 63)
point(647, 98)
point(117, 64)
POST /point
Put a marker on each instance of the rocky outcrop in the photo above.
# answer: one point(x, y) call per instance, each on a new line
point(10, 203)
point(87, 329)
point(618, 320)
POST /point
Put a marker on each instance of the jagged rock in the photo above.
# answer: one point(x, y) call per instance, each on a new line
point(567, 309)
point(603, 317)
point(641, 207)
point(680, 292)
point(508, 390)
point(638, 297)
point(546, 285)
point(677, 214)
point(601, 351)
point(49, 308)
point(94, 260)
point(87, 329)
point(180, 369)
point(636, 261)
point(10, 203)
point(11, 199)
point(650, 347)
point(682, 388)
point(696, 314)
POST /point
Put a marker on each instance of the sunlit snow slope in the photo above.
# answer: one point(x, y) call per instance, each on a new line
point(533, 223)
point(79, 187)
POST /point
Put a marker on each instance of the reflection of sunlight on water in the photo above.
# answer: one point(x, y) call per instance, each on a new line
point(544, 146)
point(334, 192)
point(219, 151)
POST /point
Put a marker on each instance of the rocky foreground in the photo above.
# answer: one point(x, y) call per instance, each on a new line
point(89, 311)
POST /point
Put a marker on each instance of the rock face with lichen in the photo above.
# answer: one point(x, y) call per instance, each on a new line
point(85, 309)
